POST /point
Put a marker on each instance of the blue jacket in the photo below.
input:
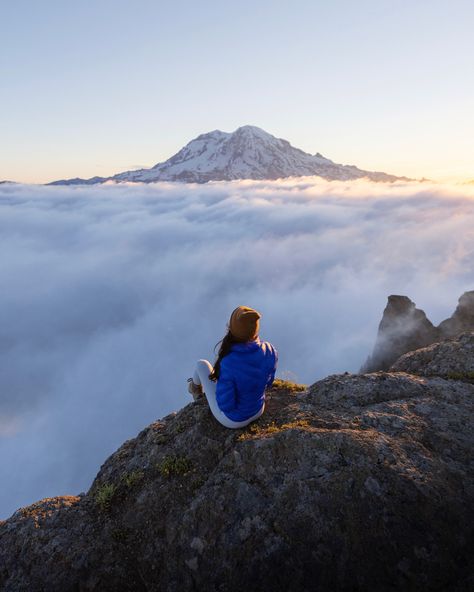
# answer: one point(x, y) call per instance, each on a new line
point(244, 374)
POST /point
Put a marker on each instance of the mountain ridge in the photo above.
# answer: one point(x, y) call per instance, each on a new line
point(247, 153)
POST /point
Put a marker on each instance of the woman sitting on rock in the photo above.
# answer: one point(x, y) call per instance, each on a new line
point(245, 366)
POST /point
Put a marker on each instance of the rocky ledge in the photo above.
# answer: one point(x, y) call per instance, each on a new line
point(452, 358)
point(356, 483)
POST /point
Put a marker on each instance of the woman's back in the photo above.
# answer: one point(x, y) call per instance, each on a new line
point(244, 374)
point(245, 366)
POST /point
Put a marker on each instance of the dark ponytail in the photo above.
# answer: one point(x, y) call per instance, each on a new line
point(226, 344)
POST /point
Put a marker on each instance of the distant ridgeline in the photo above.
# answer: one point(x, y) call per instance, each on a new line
point(404, 328)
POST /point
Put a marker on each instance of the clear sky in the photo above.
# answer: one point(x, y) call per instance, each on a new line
point(100, 86)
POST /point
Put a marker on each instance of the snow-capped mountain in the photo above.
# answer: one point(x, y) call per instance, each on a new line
point(247, 153)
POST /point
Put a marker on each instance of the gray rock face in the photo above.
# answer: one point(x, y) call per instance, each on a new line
point(358, 483)
point(405, 328)
point(462, 318)
point(453, 358)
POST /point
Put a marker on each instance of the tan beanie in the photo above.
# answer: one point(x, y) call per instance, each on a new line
point(244, 323)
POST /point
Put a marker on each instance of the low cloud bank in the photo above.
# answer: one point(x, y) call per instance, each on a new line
point(111, 293)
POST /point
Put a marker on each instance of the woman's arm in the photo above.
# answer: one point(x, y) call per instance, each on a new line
point(225, 389)
point(273, 370)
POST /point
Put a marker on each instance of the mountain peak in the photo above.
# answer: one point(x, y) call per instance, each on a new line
point(252, 130)
point(249, 152)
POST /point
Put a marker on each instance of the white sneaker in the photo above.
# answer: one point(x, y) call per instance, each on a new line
point(194, 389)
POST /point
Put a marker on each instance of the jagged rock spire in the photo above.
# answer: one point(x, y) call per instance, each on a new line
point(405, 328)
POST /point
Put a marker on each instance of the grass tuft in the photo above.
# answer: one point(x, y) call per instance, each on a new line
point(174, 465)
point(287, 385)
point(104, 495)
point(258, 430)
point(132, 478)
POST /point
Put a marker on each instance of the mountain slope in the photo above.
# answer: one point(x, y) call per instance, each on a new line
point(247, 153)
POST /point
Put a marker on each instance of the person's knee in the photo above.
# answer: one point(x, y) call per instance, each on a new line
point(205, 366)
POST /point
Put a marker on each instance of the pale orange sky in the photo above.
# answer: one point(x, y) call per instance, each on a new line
point(97, 88)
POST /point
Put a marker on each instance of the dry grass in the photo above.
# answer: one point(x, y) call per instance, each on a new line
point(288, 386)
point(256, 430)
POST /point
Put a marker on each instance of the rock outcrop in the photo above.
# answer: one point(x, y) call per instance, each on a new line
point(462, 318)
point(453, 358)
point(405, 328)
point(357, 483)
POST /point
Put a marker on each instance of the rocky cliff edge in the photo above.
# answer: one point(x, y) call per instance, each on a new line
point(358, 482)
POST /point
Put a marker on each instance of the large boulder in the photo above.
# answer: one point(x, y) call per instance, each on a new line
point(358, 483)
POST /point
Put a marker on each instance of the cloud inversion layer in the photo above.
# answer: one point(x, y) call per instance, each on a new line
point(111, 293)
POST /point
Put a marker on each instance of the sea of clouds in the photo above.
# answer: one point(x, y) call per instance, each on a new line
point(109, 294)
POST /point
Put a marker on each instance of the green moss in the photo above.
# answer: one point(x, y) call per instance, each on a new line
point(174, 465)
point(104, 495)
point(460, 375)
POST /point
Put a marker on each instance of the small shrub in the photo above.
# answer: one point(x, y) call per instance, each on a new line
point(104, 495)
point(132, 478)
point(174, 465)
